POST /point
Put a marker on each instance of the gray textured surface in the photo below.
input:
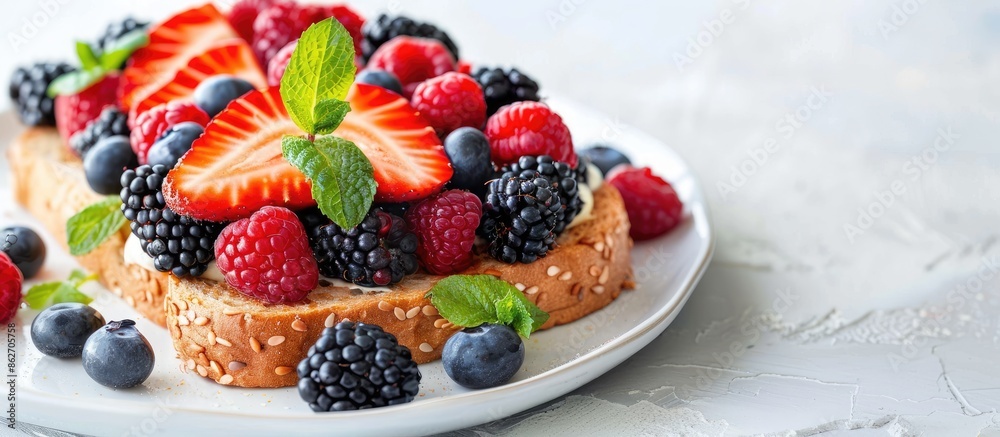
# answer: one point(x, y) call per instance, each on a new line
point(800, 327)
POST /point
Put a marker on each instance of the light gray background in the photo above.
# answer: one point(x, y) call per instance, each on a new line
point(800, 327)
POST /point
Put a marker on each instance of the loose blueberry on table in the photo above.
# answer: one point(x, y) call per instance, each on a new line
point(25, 248)
point(117, 355)
point(62, 329)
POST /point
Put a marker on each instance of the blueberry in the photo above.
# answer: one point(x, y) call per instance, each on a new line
point(118, 356)
point(380, 78)
point(174, 143)
point(469, 152)
point(62, 329)
point(483, 357)
point(25, 248)
point(214, 93)
point(604, 157)
point(106, 162)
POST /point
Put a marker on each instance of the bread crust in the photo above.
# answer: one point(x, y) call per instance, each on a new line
point(222, 335)
point(48, 181)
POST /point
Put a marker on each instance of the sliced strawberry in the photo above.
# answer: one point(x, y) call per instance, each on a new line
point(233, 57)
point(73, 112)
point(235, 168)
point(172, 44)
point(407, 155)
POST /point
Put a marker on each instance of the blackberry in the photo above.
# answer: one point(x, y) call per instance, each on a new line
point(565, 181)
point(379, 31)
point(117, 30)
point(377, 252)
point(520, 216)
point(111, 122)
point(28, 91)
point(178, 244)
point(503, 87)
point(355, 367)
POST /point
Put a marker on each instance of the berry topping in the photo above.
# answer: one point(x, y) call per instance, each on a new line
point(242, 15)
point(62, 329)
point(605, 157)
point(380, 78)
point(10, 288)
point(75, 111)
point(450, 101)
point(407, 156)
point(235, 168)
point(652, 204)
point(503, 87)
point(562, 177)
point(377, 252)
point(469, 152)
point(215, 93)
point(356, 366)
point(445, 226)
point(379, 31)
point(172, 45)
point(178, 244)
point(106, 162)
point(520, 217)
point(267, 256)
point(413, 60)
point(118, 29)
point(284, 21)
point(528, 128)
point(29, 92)
point(25, 249)
point(118, 356)
point(174, 143)
point(151, 125)
point(110, 123)
point(277, 65)
point(233, 59)
point(483, 357)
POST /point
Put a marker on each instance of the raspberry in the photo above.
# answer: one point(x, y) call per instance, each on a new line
point(73, 112)
point(450, 101)
point(445, 225)
point(464, 67)
point(10, 288)
point(150, 125)
point(413, 60)
point(267, 256)
point(652, 204)
point(243, 13)
point(284, 22)
point(528, 128)
point(276, 67)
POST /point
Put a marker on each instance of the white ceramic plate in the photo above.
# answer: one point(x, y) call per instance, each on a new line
point(58, 393)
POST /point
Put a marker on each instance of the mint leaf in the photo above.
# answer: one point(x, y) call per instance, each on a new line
point(116, 53)
point(75, 81)
point(330, 114)
point(342, 178)
point(50, 293)
point(86, 54)
point(321, 69)
point(472, 300)
point(89, 228)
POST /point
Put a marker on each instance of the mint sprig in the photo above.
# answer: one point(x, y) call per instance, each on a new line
point(313, 87)
point(94, 66)
point(93, 225)
point(342, 177)
point(50, 293)
point(318, 76)
point(472, 300)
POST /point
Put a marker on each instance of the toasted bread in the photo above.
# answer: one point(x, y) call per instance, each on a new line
point(235, 340)
point(48, 180)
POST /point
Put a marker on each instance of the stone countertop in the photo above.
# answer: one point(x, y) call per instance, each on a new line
point(845, 150)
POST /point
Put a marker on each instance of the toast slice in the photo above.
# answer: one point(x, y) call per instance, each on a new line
point(48, 181)
point(234, 340)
